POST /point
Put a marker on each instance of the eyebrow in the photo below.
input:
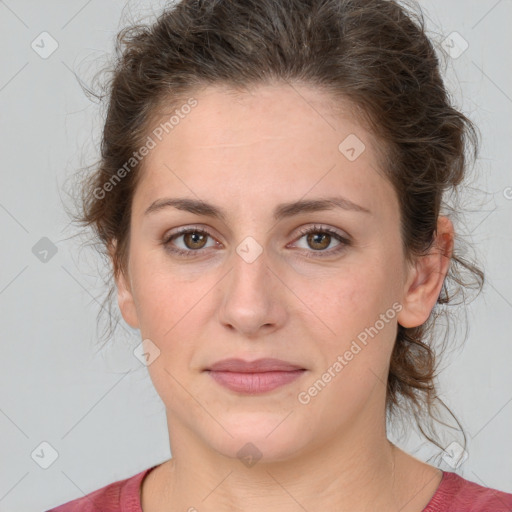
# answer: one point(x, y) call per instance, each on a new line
point(283, 210)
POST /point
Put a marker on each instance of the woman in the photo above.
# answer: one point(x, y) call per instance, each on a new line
point(270, 195)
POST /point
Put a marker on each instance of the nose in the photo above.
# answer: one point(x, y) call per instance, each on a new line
point(253, 297)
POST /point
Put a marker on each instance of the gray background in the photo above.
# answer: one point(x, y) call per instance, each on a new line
point(99, 410)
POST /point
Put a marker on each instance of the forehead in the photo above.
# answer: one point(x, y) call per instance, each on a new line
point(269, 140)
point(267, 110)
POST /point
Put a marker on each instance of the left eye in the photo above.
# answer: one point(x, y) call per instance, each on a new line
point(319, 238)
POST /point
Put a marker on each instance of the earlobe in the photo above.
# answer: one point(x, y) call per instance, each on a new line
point(125, 298)
point(126, 302)
point(426, 278)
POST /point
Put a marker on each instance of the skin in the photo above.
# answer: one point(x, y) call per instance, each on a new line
point(247, 153)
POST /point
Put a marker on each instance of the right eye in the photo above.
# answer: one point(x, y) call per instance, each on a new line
point(194, 240)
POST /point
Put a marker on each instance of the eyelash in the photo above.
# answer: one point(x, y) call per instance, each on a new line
point(344, 242)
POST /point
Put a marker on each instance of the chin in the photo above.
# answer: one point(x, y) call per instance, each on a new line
point(258, 439)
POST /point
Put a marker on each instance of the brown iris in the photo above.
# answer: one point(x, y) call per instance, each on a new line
point(313, 238)
point(197, 240)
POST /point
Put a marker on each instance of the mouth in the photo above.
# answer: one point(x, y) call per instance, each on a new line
point(254, 377)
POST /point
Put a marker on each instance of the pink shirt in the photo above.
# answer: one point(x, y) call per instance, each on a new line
point(454, 494)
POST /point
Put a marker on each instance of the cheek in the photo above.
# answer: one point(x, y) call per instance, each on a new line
point(159, 297)
point(172, 306)
point(349, 300)
point(157, 306)
point(353, 361)
point(354, 318)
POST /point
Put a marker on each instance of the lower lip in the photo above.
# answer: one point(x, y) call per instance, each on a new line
point(253, 383)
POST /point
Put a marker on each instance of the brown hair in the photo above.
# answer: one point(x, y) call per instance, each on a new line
point(374, 53)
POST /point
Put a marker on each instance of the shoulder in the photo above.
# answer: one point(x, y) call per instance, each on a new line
point(122, 495)
point(456, 493)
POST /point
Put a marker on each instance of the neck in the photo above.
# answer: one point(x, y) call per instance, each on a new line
point(354, 470)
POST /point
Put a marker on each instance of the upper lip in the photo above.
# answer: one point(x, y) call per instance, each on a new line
point(259, 365)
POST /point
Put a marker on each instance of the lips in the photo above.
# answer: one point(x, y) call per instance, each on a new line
point(253, 377)
point(258, 366)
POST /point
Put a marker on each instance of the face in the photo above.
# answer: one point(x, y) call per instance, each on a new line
point(319, 287)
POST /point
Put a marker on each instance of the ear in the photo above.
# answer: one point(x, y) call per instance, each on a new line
point(426, 277)
point(124, 294)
